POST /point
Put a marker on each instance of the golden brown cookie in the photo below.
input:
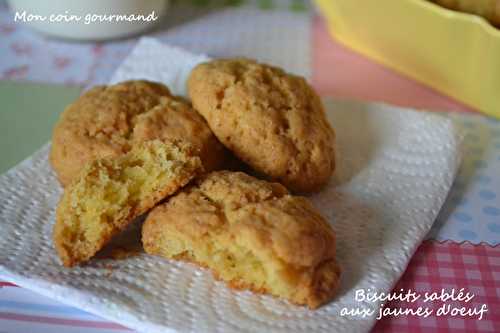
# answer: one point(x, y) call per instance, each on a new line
point(110, 192)
point(251, 233)
point(108, 120)
point(489, 9)
point(270, 119)
point(174, 118)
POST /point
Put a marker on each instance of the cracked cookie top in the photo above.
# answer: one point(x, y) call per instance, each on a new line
point(108, 120)
point(270, 119)
point(251, 233)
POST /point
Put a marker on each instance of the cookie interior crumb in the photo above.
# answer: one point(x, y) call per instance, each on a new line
point(110, 192)
point(238, 265)
point(106, 121)
point(250, 233)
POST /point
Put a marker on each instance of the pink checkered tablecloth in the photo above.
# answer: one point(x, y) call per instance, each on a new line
point(444, 261)
point(436, 266)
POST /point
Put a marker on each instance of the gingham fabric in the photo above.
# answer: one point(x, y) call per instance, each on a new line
point(448, 265)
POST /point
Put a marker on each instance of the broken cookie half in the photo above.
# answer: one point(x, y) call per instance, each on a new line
point(252, 234)
point(110, 192)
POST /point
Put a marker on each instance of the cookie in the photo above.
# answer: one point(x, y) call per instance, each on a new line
point(109, 120)
point(110, 192)
point(250, 233)
point(174, 118)
point(489, 9)
point(270, 119)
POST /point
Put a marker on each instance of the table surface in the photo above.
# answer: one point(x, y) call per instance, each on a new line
point(460, 251)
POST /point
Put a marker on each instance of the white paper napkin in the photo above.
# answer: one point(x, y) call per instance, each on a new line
point(395, 167)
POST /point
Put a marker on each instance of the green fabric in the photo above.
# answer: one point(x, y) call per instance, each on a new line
point(298, 6)
point(266, 4)
point(28, 112)
point(293, 5)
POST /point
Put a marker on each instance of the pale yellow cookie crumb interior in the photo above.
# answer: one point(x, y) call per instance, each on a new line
point(234, 263)
point(111, 191)
point(249, 233)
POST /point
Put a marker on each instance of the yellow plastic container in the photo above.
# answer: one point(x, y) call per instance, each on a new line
point(458, 54)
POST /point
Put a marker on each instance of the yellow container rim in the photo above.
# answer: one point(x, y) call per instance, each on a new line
point(457, 79)
point(451, 14)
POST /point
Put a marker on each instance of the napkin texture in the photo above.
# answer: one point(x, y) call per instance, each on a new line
point(395, 168)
